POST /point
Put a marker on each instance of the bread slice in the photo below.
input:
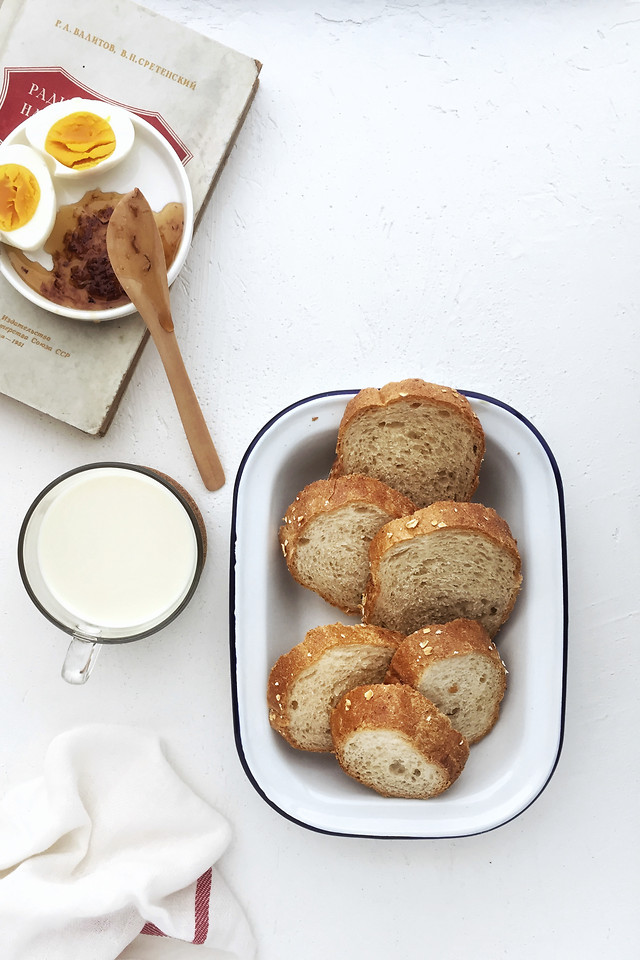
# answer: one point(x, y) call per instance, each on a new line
point(445, 562)
point(326, 534)
point(394, 740)
point(456, 666)
point(306, 683)
point(420, 438)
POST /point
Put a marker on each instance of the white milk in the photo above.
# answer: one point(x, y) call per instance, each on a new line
point(117, 549)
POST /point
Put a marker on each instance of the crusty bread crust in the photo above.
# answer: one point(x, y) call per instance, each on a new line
point(307, 658)
point(415, 659)
point(326, 497)
point(399, 709)
point(442, 518)
point(420, 481)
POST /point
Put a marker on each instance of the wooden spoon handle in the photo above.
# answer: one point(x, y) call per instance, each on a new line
point(195, 427)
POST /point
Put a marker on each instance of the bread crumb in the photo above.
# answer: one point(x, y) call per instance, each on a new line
point(347, 703)
point(412, 523)
point(368, 695)
point(441, 524)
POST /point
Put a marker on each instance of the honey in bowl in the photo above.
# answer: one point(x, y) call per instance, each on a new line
point(81, 276)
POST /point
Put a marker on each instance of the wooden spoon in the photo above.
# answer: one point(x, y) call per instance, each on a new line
point(137, 257)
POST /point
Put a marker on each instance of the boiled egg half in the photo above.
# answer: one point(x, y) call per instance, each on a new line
point(81, 136)
point(27, 198)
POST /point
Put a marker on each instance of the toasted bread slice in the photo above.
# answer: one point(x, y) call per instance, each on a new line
point(326, 534)
point(306, 683)
point(457, 666)
point(394, 740)
point(445, 562)
point(420, 438)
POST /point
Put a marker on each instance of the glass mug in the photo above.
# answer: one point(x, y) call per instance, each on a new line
point(110, 553)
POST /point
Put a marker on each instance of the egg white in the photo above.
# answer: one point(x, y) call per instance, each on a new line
point(37, 127)
point(35, 231)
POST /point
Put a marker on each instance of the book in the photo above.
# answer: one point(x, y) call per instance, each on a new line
point(195, 91)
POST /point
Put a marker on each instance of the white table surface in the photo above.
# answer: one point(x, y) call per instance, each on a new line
point(438, 189)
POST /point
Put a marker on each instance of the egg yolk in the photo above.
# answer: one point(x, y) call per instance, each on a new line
point(80, 140)
point(19, 196)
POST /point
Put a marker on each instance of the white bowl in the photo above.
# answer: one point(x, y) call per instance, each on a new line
point(154, 167)
point(270, 613)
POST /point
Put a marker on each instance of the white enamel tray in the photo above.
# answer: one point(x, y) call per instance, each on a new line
point(270, 613)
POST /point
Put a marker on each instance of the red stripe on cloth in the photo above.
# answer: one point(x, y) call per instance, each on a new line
point(202, 900)
point(201, 911)
point(152, 931)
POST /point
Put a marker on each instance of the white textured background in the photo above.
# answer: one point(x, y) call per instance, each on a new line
point(438, 189)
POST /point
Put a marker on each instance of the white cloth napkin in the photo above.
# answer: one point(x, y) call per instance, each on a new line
point(107, 843)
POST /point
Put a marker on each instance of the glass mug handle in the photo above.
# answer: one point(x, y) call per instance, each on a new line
point(80, 658)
